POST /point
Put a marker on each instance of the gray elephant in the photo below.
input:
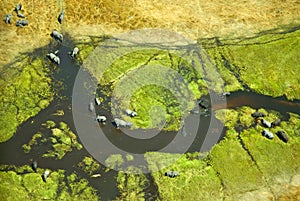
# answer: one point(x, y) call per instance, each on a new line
point(101, 118)
point(276, 123)
point(8, 18)
point(130, 113)
point(265, 123)
point(61, 16)
point(172, 174)
point(282, 136)
point(74, 52)
point(21, 23)
point(97, 101)
point(121, 123)
point(18, 8)
point(34, 166)
point(54, 58)
point(267, 134)
point(56, 36)
point(21, 15)
point(258, 114)
point(45, 175)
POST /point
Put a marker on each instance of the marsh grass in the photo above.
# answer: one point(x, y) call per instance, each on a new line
point(25, 90)
point(196, 179)
point(268, 64)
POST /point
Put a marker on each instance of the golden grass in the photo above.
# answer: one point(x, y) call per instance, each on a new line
point(192, 18)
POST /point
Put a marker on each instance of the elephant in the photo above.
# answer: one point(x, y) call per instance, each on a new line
point(61, 16)
point(74, 52)
point(91, 107)
point(45, 175)
point(130, 113)
point(54, 58)
point(267, 134)
point(121, 123)
point(34, 166)
point(97, 101)
point(203, 103)
point(266, 123)
point(282, 136)
point(21, 15)
point(258, 114)
point(21, 23)
point(7, 18)
point(226, 93)
point(18, 8)
point(276, 123)
point(101, 119)
point(172, 174)
point(57, 36)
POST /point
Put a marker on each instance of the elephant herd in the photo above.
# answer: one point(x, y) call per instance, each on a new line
point(20, 22)
point(268, 134)
point(117, 122)
point(53, 56)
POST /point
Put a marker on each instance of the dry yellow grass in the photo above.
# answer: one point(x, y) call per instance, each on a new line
point(192, 18)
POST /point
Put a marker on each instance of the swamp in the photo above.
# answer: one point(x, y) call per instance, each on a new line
point(193, 72)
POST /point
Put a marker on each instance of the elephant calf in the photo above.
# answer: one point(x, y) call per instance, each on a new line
point(91, 107)
point(18, 8)
point(172, 174)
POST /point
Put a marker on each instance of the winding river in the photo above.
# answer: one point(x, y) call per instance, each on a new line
point(12, 152)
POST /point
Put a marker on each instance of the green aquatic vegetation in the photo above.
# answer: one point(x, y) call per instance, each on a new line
point(196, 179)
point(89, 165)
point(62, 139)
point(15, 184)
point(152, 76)
point(114, 161)
point(268, 64)
point(234, 117)
point(33, 141)
point(132, 185)
point(25, 90)
point(236, 169)
point(278, 161)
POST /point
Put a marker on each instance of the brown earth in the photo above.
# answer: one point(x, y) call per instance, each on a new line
point(193, 19)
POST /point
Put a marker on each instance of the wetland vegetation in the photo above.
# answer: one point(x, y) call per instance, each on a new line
point(244, 165)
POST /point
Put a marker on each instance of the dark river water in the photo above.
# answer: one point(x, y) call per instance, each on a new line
point(12, 153)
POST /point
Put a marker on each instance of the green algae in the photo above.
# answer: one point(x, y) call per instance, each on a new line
point(33, 141)
point(21, 183)
point(25, 90)
point(89, 165)
point(62, 139)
